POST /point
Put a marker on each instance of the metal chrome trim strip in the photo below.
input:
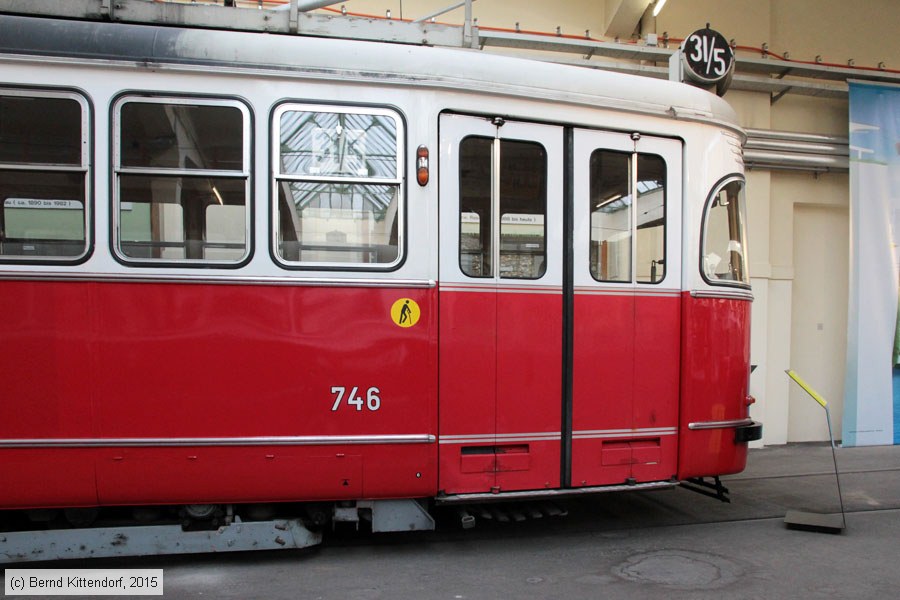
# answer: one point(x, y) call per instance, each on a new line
point(300, 440)
point(624, 433)
point(537, 292)
point(209, 173)
point(499, 435)
point(500, 438)
point(724, 294)
point(619, 436)
point(533, 494)
point(373, 181)
point(60, 168)
point(609, 436)
point(582, 291)
point(490, 438)
point(700, 425)
point(633, 430)
point(493, 441)
point(482, 436)
point(501, 289)
point(212, 279)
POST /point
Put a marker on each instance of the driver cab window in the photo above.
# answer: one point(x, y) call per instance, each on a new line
point(724, 257)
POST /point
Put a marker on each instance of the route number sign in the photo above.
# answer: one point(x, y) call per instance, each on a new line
point(707, 57)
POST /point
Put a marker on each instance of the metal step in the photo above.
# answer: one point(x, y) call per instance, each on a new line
point(507, 513)
point(549, 494)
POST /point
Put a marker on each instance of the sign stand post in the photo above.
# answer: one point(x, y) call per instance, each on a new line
point(809, 521)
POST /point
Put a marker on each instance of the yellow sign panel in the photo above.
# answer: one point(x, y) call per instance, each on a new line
point(806, 388)
point(405, 312)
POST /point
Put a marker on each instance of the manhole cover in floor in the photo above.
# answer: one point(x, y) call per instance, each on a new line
point(679, 568)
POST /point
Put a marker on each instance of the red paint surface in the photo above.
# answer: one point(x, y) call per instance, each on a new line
point(154, 360)
point(714, 387)
point(603, 364)
point(120, 360)
point(625, 380)
point(500, 374)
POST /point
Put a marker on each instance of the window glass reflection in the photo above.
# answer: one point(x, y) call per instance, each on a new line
point(339, 193)
point(724, 258)
point(43, 177)
point(198, 213)
point(522, 208)
point(610, 180)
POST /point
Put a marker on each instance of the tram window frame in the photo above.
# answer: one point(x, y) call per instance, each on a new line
point(740, 212)
point(634, 238)
point(185, 176)
point(488, 221)
point(391, 182)
point(44, 171)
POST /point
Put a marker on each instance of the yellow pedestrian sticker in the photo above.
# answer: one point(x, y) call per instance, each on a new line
point(405, 312)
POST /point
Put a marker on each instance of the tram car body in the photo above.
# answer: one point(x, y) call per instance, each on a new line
point(246, 268)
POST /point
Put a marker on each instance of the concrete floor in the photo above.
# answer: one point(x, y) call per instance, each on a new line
point(667, 544)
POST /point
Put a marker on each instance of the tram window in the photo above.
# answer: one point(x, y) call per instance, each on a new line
point(338, 187)
point(523, 210)
point(724, 257)
point(476, 216)
point(28, 136)
point(178, 136)
point(333, 223)
point(179, 218)
point(621, 225)
point(182, 172)
point(610, 174)
point(522, 206)
point(43, 176)
point(651, 219)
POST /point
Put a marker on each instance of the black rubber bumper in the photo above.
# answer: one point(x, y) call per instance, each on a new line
point(748, 433)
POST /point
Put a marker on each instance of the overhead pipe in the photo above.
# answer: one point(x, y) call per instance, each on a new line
point(796, 151)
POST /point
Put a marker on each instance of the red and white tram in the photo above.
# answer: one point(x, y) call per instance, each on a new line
point(240, 268)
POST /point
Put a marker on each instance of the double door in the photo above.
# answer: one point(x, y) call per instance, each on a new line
point(542, 309)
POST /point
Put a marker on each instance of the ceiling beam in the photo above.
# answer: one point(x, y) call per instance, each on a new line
point(623, 17)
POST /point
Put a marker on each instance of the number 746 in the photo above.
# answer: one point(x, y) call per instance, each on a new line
point(372, 401)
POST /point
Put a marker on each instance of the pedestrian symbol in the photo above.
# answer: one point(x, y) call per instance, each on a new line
point(405, 312)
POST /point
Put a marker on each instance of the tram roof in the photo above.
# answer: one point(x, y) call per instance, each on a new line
point(363, 61)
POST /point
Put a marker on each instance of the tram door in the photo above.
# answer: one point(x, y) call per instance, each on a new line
point(626, 308)
point(501, 309)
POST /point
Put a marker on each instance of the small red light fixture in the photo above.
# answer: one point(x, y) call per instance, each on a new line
point(422, 165)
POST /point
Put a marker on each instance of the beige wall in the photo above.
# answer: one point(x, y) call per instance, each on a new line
point(838, 30)
point(818, 315)
point(573, 16)
point(798, 222)
point(748, 22)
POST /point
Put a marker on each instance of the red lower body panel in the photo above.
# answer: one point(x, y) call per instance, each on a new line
point(625, 388)
point(169, 393)
point(40, 478)
point(715, 385)
point(262, 474)
point(163, 366)
point(500, 390)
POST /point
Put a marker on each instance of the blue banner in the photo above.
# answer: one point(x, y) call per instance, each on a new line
point(872, 390)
